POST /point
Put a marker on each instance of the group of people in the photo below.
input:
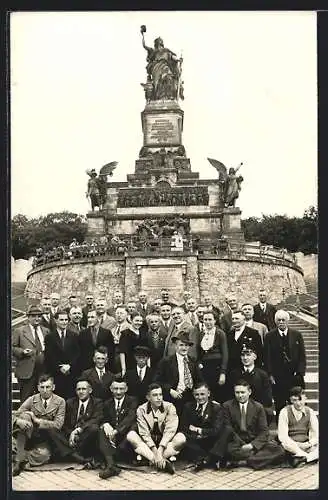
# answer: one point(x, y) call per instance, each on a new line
point(144, 382)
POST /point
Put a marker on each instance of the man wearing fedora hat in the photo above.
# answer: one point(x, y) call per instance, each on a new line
point(178, 373)
point(28, 351)
point(140, 377)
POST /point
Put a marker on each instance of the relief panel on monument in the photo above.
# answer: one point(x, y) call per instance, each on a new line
point(196, 195)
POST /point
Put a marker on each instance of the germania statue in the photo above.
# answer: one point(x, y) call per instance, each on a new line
point(163, 71)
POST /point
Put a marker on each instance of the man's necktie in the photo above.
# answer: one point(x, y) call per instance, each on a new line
point(118, 411)
point(243, 419)
point(37, 341)
point(45, 404)
point(94, 335)
point(63, 339)
point(81, 413)
point(199, 410)
point(140, 375)
point(187, 375)
point(192, 317)
point(117, 335)
point(155, 336)
point(101, 374)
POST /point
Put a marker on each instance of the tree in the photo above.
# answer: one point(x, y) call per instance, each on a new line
point(45, 231)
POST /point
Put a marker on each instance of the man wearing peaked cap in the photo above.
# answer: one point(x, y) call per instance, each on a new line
point(141, 376)
point(257, 378)
point(28, 351)
point(178, 373)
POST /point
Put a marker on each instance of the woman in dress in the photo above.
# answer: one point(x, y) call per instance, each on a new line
point(129, 338)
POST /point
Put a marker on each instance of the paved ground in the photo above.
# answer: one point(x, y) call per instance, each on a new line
point(304, 478)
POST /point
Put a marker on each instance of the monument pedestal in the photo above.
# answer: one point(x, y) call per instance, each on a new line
point(96, 224)
point(162, 124)
point(231, 223)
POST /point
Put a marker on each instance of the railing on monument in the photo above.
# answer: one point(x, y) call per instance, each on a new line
point(221, 248)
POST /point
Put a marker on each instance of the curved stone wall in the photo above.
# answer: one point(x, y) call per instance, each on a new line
point(202, 274)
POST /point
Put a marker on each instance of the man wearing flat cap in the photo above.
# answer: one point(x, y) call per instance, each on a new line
point(257, 378)
point(28, 351)
point(140, 377)
point(178, 373)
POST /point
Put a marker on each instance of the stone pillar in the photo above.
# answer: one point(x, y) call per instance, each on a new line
point(96, 224)
point(231, 224)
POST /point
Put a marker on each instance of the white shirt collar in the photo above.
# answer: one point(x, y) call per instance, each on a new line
point(119, 401)
point(243, 404)
point(298, 413)
point(283, 333)
point(100, 370)
point(249, 368)
point(180, 358)
point(84, 403)
point(48, 400)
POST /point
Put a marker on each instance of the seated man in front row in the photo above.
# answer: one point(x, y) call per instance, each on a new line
point(257, 378)
point(202, 424)
point(156, 438)
point(298, 429)
point(78, 437)
point(119, 414)
point(38, 419)
point(249, 433)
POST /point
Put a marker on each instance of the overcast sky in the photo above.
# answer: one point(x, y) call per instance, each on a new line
point(250, 85)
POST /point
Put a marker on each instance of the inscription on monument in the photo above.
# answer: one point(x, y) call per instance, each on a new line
point(154, 278)
point(162, 129)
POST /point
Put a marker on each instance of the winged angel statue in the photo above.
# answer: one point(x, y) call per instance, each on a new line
point(229, 180)
point(97, 185)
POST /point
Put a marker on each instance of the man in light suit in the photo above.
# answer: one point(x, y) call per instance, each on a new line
point(284, 359)
point(157, 438)
point(248, 311)
point(105, 319)
point(38, 419)
point(264, 312)
point(28, 350)
point(181, 324)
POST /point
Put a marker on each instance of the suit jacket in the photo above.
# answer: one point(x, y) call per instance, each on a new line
point(257, 431)
point(225, 321)
point(140, 309)
point(166, 331)
point(260, 328)
point(111, 311)
point(23, 339)
point(126, 418)
point(84, 320)
point(168, 422)
point(108, 322)
point(50, 325)
point(55, 354)
point(218, 351)
point(157, 352)
point(91, 417)
point(234, 348)
point(169, 349)
point(266, 318)
point(100, 388)
point(72, 327)
point(136, 387)
point(51, 417)
point(211, 422)
point(167, 373)
point(259, 382)
point(87, 347)
point(273, 359)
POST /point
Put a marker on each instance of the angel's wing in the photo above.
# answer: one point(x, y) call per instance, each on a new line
point(220, 167)
point(108, 168)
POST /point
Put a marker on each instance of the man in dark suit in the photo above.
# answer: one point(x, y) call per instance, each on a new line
point(117, 301)
point(237, 336)
point(78, 437)
point(249, 434)
point(54, 301)
point(37, 420)
point(140, 377)
point(257, 378)
point(284, 359)
point(264, 312)
point(166, 320)
point(91, 337)
point(226, 317)
point(178, 373)
point(28, 344)
point(154, 338)
point(89, 306)
point(143, 306)
point(202, 424)
point(165, 296)
point(75, 316)
point(119, 414)
point(99, 376)
point(47, 319)
point(61, 356)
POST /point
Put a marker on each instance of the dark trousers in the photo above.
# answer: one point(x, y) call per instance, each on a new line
point(211, 372)
point(86, 444)
point(211, 447)
point(65, 385)
point(110, 452)
point(270, 454)
point(179, 403)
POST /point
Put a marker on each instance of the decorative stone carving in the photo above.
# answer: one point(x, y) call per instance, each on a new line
point(176, 196)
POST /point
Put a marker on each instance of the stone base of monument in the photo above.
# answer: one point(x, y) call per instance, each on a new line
point(231, 224)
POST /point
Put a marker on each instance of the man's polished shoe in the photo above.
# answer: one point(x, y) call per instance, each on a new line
point(78, 458)
point(169, 467)
point(298, 462)
point(18, 467)
point(201, 464)
point(109, 472)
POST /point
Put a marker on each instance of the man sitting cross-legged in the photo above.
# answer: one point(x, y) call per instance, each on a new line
point(298, 429)
point(156, 438)
point(202, 424)
point(78, 436)
point(38, 419)
point(119, 414)
point(99, 376)
point(249, 439)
